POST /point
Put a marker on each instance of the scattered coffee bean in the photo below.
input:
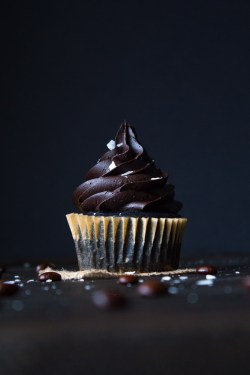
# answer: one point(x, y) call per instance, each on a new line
point(206, 270)
point(246, 282)
point(128, 279)
point(43, 266)
point(106, 299)
point(53, 276)
point(152, 288)
point(8, 289)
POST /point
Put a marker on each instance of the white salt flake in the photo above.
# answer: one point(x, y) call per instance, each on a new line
point(210, 277)
point(9, 282)
point(126, 173)
point(30, 281)
point(183, 277)
point(204, 282)
point(155, 178)
point(112, 166)
point(87, 287)
point(49, 281)
point(111, 145)
point(16, 277)
point(130, 273)
point(165, 278)
point(119, 144)
point(237, 272)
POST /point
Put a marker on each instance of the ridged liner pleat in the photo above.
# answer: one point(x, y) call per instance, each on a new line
point(144, 244)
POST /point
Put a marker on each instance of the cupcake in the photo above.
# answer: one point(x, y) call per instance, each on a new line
point(129, 219)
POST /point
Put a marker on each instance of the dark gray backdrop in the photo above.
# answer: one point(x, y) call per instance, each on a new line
point(73, 70)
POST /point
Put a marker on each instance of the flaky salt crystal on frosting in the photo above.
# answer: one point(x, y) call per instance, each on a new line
point(125, 179)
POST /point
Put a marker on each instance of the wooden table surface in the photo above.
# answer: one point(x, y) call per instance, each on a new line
point(54, 328)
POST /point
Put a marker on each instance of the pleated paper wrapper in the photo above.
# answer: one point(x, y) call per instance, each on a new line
point(120, 244)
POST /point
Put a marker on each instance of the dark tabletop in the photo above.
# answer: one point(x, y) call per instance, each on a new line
point(55, 327)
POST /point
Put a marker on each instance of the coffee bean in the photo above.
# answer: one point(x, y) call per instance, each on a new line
point(106, 299)
point(54, 276)
point(8, 289)
point(246, 282)
point(128, 279)
point(152, 288)
point(206, 270)
point(43, 266)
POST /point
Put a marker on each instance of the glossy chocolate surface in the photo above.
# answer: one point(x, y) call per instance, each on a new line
point(126, 179)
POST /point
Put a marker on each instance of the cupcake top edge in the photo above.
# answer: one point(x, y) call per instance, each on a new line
point(126, 180)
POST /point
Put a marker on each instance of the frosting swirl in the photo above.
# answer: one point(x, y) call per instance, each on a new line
point(125, 179)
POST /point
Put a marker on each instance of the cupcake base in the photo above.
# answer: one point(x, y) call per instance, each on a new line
point(120, 244)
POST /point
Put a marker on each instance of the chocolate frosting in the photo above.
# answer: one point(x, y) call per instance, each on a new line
point(125, 179)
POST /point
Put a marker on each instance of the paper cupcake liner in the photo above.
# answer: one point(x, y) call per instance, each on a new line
point(119, 244)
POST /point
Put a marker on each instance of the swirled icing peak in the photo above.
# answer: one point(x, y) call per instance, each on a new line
point(126, 180)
